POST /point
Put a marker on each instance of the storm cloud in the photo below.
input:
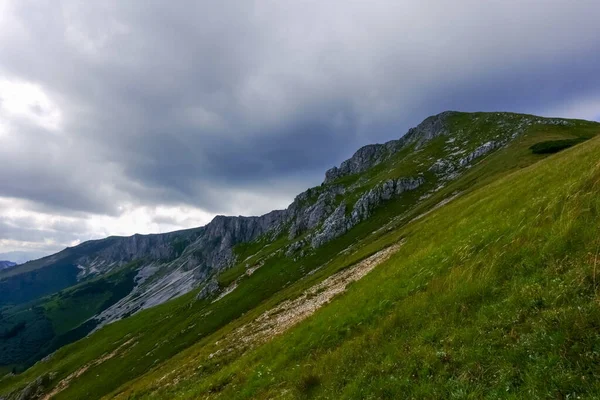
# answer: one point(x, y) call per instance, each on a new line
point(122, 117)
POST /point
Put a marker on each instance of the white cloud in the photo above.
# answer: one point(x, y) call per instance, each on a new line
point(27, 101)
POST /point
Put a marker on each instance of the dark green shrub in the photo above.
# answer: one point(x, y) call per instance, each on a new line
point(308, 383)
point(554, 146)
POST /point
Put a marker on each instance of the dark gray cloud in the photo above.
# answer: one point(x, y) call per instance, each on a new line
point(28, 230)
point(236, 106)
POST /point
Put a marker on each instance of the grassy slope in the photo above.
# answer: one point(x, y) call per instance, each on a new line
point(164, 331)
point(514, 157)
point(55, 320)
point(494, 295)
point(68, 308)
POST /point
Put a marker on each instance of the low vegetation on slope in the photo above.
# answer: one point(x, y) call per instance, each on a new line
point(494, 295)
point(30, 331)
point(179, 349)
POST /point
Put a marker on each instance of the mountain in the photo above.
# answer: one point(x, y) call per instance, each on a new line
point(447, 261)
point(21, 257)
point(7, 264)
point(169, 271)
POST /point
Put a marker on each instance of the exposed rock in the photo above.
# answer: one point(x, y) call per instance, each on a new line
point(371, 155)
point(310, 217)
point(334, 226)
point(294, 247)
point(212, 286)
point(408, 184)
point(35, 388)
point(97, 257)
point(442, 167)
point(362, 160)
point(478, 152)
point(447, 169)
point(306, 216)
point(338, 222)
point(429, 129)
point(214, 247)
point(367, 203)
point(175, 263)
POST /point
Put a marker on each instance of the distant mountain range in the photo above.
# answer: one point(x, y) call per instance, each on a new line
point(7, 264)
point(21, 257)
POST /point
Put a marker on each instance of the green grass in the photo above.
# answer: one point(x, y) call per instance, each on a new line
point(493, 296)
point(468, 131)
point(24, 330)
point(180, 334)
point(30, 331)
point(493, 168)
point(249, 254)
point(70, 307)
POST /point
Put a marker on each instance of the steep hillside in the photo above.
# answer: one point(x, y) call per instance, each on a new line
point(495, 295)
point(436, 152)
point(226, 281)
point(21, 257)
point(47, 275)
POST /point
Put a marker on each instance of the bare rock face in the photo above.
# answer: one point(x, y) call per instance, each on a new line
point(99, 257)
point(215, 246)
point(334, 226)
point(305, 216)
point(35, 389)
point(442, 167)
point(210, 250)
point(430, 128)
point(339, 223)
point(369, 201)
point(309, 217)
point(408, 184)
point(478, 152)
point(211, 287)
point(371, 155)
point(176, 263)
point(363, 159)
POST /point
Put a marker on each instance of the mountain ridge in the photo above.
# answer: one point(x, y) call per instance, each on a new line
point(119, 277)
point(245, 228)
point(5, 264)
point(212, 244)
point(161, 297)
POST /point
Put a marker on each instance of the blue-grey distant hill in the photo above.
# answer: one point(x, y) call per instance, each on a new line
point(7, 264)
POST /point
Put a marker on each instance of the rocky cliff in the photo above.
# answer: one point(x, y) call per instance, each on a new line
point(175, 263)
point(373, 154)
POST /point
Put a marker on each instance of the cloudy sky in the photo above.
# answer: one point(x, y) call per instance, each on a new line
point(119, 117)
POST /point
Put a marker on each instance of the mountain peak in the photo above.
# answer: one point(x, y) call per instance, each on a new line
point(373, 154)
